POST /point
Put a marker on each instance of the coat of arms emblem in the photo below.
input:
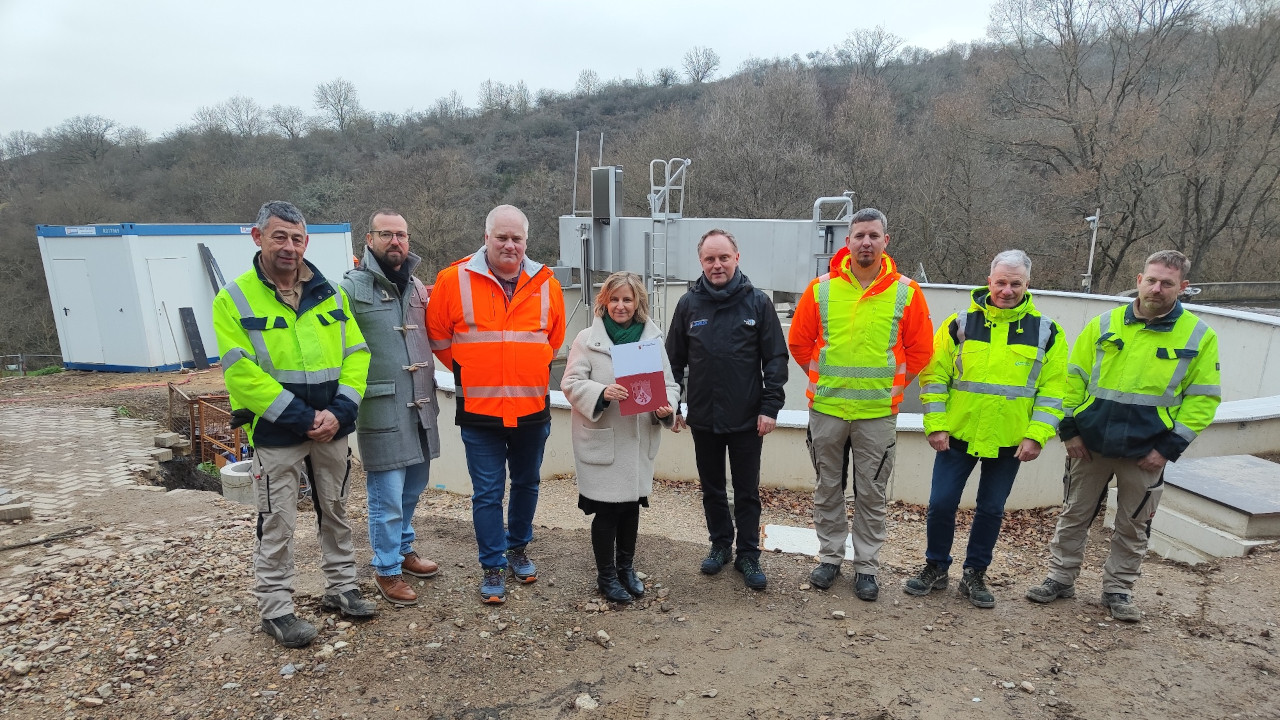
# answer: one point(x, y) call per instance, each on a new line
point(642, 392)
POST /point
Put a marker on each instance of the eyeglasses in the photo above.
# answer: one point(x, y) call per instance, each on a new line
point(388, 236)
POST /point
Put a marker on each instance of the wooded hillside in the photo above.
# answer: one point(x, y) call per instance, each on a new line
point(1163, 113)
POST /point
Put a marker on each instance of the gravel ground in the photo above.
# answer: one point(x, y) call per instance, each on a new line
point(137, 606)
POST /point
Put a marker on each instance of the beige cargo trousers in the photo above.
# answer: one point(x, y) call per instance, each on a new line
point(276, 472)
point(1138, 494)
point(873, 443)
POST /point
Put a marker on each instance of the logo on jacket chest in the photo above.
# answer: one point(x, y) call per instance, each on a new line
point(697, 323)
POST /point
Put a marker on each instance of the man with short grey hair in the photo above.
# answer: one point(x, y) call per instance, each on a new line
point(1143, 382)
point(992, 394)
point(396, 429)
point(295, 363)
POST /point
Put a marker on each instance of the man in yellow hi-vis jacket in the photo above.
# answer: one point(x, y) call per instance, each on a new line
point(1143, 382)
point(294, 360)
point(992, 394)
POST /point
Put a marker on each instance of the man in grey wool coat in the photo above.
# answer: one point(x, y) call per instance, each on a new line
point(396, 428)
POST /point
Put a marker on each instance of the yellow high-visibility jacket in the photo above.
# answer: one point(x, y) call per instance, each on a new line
point(1135, 386)
point(997, 376)
point(283, 365)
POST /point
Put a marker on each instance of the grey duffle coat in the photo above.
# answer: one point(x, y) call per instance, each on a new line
point(397, 424)
point(613, 454)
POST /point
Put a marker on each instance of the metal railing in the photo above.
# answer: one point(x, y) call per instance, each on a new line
point(24, 363)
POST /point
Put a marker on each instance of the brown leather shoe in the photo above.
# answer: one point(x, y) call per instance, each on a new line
point(418, 566)
point(396, 590)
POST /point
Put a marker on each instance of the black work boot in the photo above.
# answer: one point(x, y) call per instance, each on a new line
point(931, 577)
point(603, 532)
point(974, 586)
point(628, 529)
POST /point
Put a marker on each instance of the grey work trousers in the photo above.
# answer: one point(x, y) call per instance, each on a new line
point(874, 442)
point(275, 473)
point(1138, 494)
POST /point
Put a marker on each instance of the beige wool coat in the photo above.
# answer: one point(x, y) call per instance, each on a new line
point(613, 454)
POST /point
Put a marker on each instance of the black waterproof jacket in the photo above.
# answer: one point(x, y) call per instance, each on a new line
point(728, 354)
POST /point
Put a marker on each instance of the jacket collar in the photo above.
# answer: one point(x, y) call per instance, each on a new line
point(370, 263)
point(980, 303)
point(599, 340)
point(477, 264)
point(841, 268)
point(1162, 324)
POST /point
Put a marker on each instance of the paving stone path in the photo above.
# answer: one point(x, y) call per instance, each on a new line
point(56, 458)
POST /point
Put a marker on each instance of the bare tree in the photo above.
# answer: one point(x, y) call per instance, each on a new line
point(245, 116)
point(700, 63)
point(666, 76)
point(449, 107)
point(19, 143)
point(1081, 88)
point(868, 51)
point(82, 139)
point(339, 103)
point(588, 83)
point(289, 119)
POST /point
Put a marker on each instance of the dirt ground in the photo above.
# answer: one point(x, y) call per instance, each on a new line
point(164, 626)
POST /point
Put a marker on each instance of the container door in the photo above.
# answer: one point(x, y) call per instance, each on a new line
point(77, 314)
point(170, 284)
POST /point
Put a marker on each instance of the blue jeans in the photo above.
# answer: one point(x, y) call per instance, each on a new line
point(951, 470)
point(490, 451)
point(393, 496)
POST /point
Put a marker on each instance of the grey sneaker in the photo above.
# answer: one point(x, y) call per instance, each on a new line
point(351, 604)
point(822, 576)
point(521, 566)
point(974, 586)
point(931, 577)
point(1121, 607)
point(289, 631)
point(1050, 590)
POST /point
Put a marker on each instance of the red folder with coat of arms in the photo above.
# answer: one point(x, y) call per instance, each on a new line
point(637, 367)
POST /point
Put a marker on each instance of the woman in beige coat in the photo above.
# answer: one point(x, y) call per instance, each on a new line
point(614, 453)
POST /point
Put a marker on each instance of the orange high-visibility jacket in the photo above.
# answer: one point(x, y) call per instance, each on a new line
point(859, 347)
point(500, 350)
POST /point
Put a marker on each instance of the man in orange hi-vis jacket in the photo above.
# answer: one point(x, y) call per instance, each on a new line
point(862, 332)
point(496, 319)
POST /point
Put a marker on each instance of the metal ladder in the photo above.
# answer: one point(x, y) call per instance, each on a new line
point(672, 174)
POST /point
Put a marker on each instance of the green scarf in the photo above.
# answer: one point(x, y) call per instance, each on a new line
point(623, 334)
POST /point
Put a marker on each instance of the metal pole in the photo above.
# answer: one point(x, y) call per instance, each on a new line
point(577, 136)
point(1093, 243)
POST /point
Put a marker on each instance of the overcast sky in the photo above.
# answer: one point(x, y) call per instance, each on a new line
point(153, 63)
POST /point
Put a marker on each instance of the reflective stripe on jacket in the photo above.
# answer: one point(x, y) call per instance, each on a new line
point(997, 376)
point(859, 351)
point(500, 350)
point(1135, 386)
point(284, 365)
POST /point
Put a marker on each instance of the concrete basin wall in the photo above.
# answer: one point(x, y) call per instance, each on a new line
point(1247, 422)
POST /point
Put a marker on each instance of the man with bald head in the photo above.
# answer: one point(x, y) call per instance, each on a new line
point(496, 319)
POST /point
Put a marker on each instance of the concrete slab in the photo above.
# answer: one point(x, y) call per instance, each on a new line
point(16, 511)
point(1243, 493)
point(796, 540)
point(1181, 537)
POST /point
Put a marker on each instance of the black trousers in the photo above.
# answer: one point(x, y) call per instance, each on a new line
point(743, 451)
point(613, 535)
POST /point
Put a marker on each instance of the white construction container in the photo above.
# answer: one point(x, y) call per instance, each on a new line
point(116, 289)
